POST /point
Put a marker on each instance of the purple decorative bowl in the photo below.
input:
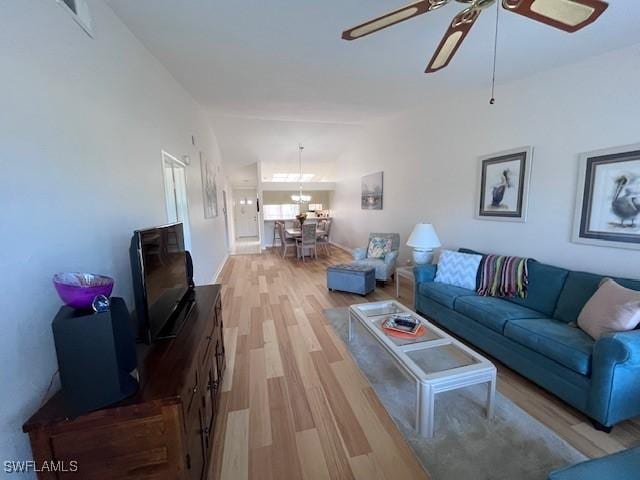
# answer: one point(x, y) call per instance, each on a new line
point(79, 289)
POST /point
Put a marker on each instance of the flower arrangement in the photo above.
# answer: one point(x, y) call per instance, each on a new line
point(301, 218)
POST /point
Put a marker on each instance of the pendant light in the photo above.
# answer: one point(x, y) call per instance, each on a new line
point(300, 198)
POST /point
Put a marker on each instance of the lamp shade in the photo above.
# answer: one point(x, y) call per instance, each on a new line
point(424, 237)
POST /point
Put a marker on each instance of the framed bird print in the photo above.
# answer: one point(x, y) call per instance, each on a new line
point(608, 198)
point(503, 185)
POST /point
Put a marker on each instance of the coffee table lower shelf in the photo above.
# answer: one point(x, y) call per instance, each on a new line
point(437, 362)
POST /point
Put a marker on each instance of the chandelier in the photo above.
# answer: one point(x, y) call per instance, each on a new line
point(300, 198)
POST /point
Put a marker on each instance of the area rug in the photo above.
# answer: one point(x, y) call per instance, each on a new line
point(466, 444)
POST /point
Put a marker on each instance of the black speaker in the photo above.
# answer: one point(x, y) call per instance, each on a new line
point(96, 355)
point(190, 270)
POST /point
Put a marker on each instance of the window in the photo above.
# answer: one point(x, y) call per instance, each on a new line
point(292, 177)
point(281, 212)
point(175, 188)
point(314, 207)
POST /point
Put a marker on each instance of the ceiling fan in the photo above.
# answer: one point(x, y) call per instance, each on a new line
point(567, 15)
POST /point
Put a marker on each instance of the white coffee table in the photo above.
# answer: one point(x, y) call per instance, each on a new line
point(436, 361)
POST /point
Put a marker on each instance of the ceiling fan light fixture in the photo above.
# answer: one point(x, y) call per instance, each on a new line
point(564, 11)
point(567, 15)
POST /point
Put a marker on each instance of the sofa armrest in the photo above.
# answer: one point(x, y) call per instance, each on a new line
point(359, 253)
point(615, 385)
point(390, 258)
point(424, 273)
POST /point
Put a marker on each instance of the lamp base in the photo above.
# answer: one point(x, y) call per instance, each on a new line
point(422, 257)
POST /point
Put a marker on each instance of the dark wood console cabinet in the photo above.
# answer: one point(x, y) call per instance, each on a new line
point(163, 432)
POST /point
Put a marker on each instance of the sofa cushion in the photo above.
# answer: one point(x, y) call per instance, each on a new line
point(378, 247)
point(473, 252)
point(459, 269)
point(612, 308)
point(492, 312)
point(578, 289)
point(442, 293)
point(544, 288)
point(567, 345)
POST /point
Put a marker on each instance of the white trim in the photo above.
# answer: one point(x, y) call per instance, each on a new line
point(220, 268)
point(577, 216)
point(342, 247)
point(167, 154)
point(525, 187)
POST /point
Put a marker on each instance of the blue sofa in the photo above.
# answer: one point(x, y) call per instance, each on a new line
point(537, 337)
point(623, 465)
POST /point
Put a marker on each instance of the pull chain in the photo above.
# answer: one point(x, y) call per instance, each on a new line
point(495, 56)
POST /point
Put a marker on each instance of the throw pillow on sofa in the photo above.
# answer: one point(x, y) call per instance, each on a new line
point(613, 308)
point(378, 247)
point(458, 269)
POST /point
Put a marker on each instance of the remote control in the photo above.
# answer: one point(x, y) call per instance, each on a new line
point(406, 323)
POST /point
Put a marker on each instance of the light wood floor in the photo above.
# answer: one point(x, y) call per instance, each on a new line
point(294, 404)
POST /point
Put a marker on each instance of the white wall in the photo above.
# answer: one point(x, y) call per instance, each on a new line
point(82, 124)
point(429, 158)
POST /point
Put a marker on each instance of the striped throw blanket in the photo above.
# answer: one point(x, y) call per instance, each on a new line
point(502, 276)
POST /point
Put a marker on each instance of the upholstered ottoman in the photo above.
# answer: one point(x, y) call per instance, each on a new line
point(623, 465)
point(359, 279)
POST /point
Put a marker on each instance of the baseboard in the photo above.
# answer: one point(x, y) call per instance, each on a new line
point(341, 247)
point(220, 268)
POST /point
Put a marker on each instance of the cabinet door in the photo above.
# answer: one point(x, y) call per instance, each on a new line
point(220, 357)
point(208, 406)
point(196, 459)
point(214, 391)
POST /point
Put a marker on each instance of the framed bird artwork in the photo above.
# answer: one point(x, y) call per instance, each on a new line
point(608, 198)
point(503, 185)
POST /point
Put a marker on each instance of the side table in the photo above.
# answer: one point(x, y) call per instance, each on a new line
point(404, 272)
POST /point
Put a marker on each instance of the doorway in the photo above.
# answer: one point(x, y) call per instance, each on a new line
point(245, 222)
point(175, 189)
point(246, 213)
point(226, 220)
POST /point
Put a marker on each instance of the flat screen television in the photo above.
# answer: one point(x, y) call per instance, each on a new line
point(159, 268)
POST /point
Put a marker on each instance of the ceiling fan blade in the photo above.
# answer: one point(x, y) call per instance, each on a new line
point(567, 15)
point(453, 38)
point(391, 18)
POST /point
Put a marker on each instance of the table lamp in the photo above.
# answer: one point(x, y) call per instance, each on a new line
point(423, 239)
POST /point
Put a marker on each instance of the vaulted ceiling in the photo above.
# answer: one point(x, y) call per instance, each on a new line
point(275, 73)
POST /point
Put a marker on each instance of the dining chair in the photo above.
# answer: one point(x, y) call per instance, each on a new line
point(324, 238)
point(276, 233)
point(296, 223)
point(285, 241)
point(308, 240)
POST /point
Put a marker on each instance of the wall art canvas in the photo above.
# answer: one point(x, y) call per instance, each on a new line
point(608, 198)
point(503, 185)
point(372, 191)
point(209, 187)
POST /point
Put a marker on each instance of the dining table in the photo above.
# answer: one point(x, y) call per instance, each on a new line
point(297, 232)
